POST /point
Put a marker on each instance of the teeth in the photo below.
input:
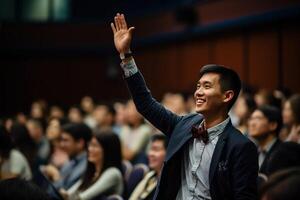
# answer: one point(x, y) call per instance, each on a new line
point(200, 101)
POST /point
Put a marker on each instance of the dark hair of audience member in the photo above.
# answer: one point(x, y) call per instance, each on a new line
point(15, 189)
point(78, 131)
point(6, 144)
point(24, 142)
point(160, 137)
point(112, 157)
point(283, 185)
point(273, 114)
point(286, 156)
point(79, 109)
point(229, 80)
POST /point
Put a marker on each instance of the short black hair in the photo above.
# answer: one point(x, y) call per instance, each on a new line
point(160, 137)
point(273, 114)
point(78, 131)
point(229, 79)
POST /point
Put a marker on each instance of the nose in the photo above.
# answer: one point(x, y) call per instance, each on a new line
point(198, 92)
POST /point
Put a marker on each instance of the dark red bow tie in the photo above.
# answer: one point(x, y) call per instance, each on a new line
point(200, 133)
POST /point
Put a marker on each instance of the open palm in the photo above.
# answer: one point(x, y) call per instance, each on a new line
point(122, 35)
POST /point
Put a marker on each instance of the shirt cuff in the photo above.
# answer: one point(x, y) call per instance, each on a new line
point(129, 68)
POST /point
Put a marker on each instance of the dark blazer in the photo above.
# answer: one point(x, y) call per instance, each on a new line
point(265, 165)
point(234, 166)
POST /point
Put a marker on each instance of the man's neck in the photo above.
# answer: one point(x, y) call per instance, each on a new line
point(214, 120)
point(263, 142)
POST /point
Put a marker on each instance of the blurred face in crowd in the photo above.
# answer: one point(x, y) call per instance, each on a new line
point(35, 130)
point(208, 95)
point(71, 146)
point(102, 115)
point(36, 110)
point(120, 113)
point(56, 112)
point(53, 129)
point(132, 115)
point(156, 155)
point(95, 151)
point(240, 108)
point(21, 118)
point(259, 125)
point(175, 103)
point(87, 104)
point(287, 114)
point(75, 115)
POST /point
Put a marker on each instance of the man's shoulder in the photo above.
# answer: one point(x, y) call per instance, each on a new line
point(192, 116)
point(238, 138)
point(189, 120)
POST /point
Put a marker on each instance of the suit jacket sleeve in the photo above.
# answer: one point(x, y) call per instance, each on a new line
point(153, 111)
point(245, 172)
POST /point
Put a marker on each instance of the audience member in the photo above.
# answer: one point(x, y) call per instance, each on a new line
point(264, 126)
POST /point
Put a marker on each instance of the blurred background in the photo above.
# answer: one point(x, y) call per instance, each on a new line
point(62, 50)
point(61, 85)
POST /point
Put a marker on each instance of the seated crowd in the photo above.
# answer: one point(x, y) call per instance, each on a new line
point(109, 151)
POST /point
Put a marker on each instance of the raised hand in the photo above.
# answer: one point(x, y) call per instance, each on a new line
point(122, 35)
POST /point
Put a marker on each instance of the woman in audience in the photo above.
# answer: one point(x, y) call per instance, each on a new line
point(103, 175)
point(291, 118)
point(12, 162)
point(53, 133)
point(75, 114)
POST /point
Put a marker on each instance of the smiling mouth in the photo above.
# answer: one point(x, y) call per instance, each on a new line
point(200, 101)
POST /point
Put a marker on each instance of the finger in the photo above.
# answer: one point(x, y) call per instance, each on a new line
point(119, 25)
point(131, 29)
point(116, 23)
point(124, 25)
point(113, 27)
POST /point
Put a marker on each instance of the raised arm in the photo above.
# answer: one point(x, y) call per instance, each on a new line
point(153, 111)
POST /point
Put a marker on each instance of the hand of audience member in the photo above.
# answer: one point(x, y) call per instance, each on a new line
point(294, 134)
point(64, 194)
point(51, 172)
point(122, 35)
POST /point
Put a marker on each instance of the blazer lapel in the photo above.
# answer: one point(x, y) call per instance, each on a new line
point(218, 151)
point(181, 135)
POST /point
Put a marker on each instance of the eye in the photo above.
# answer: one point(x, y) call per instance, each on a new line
point(198, 86)
point(207, 86)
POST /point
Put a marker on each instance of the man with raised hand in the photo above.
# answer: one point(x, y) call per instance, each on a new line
point(206, 159)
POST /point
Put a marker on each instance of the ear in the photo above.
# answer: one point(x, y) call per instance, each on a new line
point(80, 143)
point(273, 126)
point(228, 96)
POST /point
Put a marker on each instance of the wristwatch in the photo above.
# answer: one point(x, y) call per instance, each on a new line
point(125, 55)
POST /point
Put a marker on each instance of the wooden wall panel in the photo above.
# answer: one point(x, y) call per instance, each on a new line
point(229, 51)
point(291, 58)
point(263, 59)
point(193, 55)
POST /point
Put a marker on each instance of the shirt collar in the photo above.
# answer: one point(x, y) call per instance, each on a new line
point(269, 145)
point(80, 157)
point(219, 127)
